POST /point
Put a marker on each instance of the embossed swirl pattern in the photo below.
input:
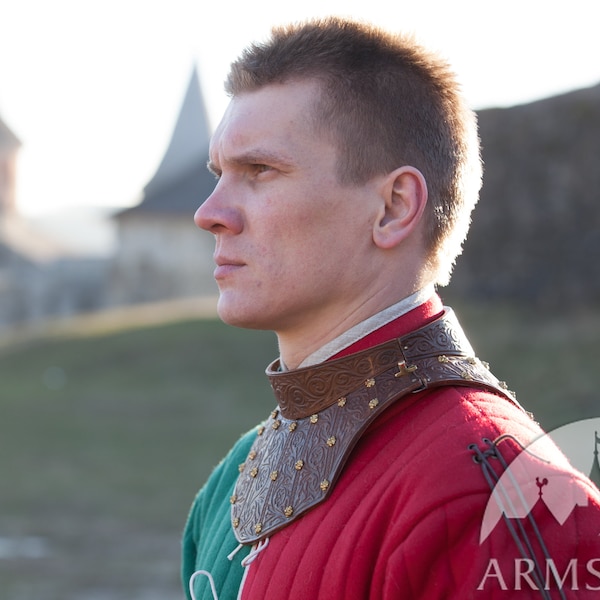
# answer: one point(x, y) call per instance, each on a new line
point(304, 392)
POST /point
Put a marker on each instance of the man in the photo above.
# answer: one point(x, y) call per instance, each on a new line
point(348, 165)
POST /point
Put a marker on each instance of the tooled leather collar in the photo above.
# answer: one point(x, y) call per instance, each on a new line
point(304, 392)
point(300, 451)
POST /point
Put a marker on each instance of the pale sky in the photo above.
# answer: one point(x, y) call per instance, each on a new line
point(93, 88)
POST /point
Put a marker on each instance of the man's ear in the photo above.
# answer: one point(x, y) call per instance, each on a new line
point(404, 196)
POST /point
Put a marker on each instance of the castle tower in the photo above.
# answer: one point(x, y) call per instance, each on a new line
point(161, 252)
point(9, 147)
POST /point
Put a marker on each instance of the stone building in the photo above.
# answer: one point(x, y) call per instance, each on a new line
point(39, 276)
point(18, 269)
point(9, 148)
point(161, 254)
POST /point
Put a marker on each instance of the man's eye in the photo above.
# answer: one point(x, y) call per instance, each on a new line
point(259, 168)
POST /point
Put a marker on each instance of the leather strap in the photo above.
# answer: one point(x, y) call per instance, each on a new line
point(300, 451)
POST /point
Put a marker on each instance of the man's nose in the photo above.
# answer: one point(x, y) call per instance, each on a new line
point(217, 215)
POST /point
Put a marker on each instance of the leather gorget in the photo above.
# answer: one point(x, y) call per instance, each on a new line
point(323, 410)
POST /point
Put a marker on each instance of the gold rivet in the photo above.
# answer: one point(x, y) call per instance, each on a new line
point(503, 385)
point(370, 382)
point(466, 375)
point(233, 499)
point(373, 403)
point(276, 424)
point(443, 358)
point(241, 467)
point(274, 414)
point(292, 426)
point(299, 464)
point(324, 485)
point(252, 454)
point(258, 528)
point(485, 364)
point(331, 441)
point(314, 418)
point(471, 360)
point(342, 401)
point(288, 511)
point(274, 475)
point(254, 472)
point(235, 522)
point(261, 430)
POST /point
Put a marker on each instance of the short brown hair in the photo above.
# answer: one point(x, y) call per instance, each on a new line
point(388, 102)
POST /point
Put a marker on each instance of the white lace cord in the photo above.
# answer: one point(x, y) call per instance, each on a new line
point(256, 550)
point(237, 549)
point(246, 562)
point(210, 580)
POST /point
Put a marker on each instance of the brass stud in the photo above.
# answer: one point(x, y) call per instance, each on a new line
point(472, 360)
point(274, 475)
point(233, 499)
point(342, 402)
point(288, 511)
point(331, 441)
point(324, 485)
point(486, 364)
point(276, 424)
point(252, 454)
point(466, 375)
point(442, 358)
point(292, 426)
point(254, 472)
point(274, 414)
point(299, 465)
point(373, 403)
point(370, 382)
point(313, 419)
point(258, 528)
point(503, 385)
point(241, 467)
point(235, 522)
point(261, 430)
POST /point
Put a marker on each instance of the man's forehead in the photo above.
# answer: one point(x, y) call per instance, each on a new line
point(250, 145)
point(267, 122)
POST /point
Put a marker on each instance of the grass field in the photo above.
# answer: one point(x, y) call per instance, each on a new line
point(106, 434)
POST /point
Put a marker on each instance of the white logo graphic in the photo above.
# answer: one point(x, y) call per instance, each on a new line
point(541, 473)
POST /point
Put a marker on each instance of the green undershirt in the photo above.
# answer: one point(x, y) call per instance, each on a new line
point(208, 537)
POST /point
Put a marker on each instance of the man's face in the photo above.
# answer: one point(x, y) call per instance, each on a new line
point(293, 246)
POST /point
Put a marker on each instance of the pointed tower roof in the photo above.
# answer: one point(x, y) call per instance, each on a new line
point(189, 141)
point(182, 182)
point(595, 472)
point(8, 140)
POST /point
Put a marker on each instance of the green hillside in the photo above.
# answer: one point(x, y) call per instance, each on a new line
point(104, 439)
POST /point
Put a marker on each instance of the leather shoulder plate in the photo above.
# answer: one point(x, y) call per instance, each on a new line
point(300, 451)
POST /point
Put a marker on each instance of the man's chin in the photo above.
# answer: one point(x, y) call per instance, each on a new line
point(238, 314)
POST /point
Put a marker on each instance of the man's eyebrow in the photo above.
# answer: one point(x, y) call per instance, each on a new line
point(255, 156)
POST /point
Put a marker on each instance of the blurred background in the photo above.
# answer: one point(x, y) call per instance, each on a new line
point(116, 388)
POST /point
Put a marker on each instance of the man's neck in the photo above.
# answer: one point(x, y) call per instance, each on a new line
point(365, 328)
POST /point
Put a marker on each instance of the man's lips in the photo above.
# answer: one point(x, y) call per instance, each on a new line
point(226, 266)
